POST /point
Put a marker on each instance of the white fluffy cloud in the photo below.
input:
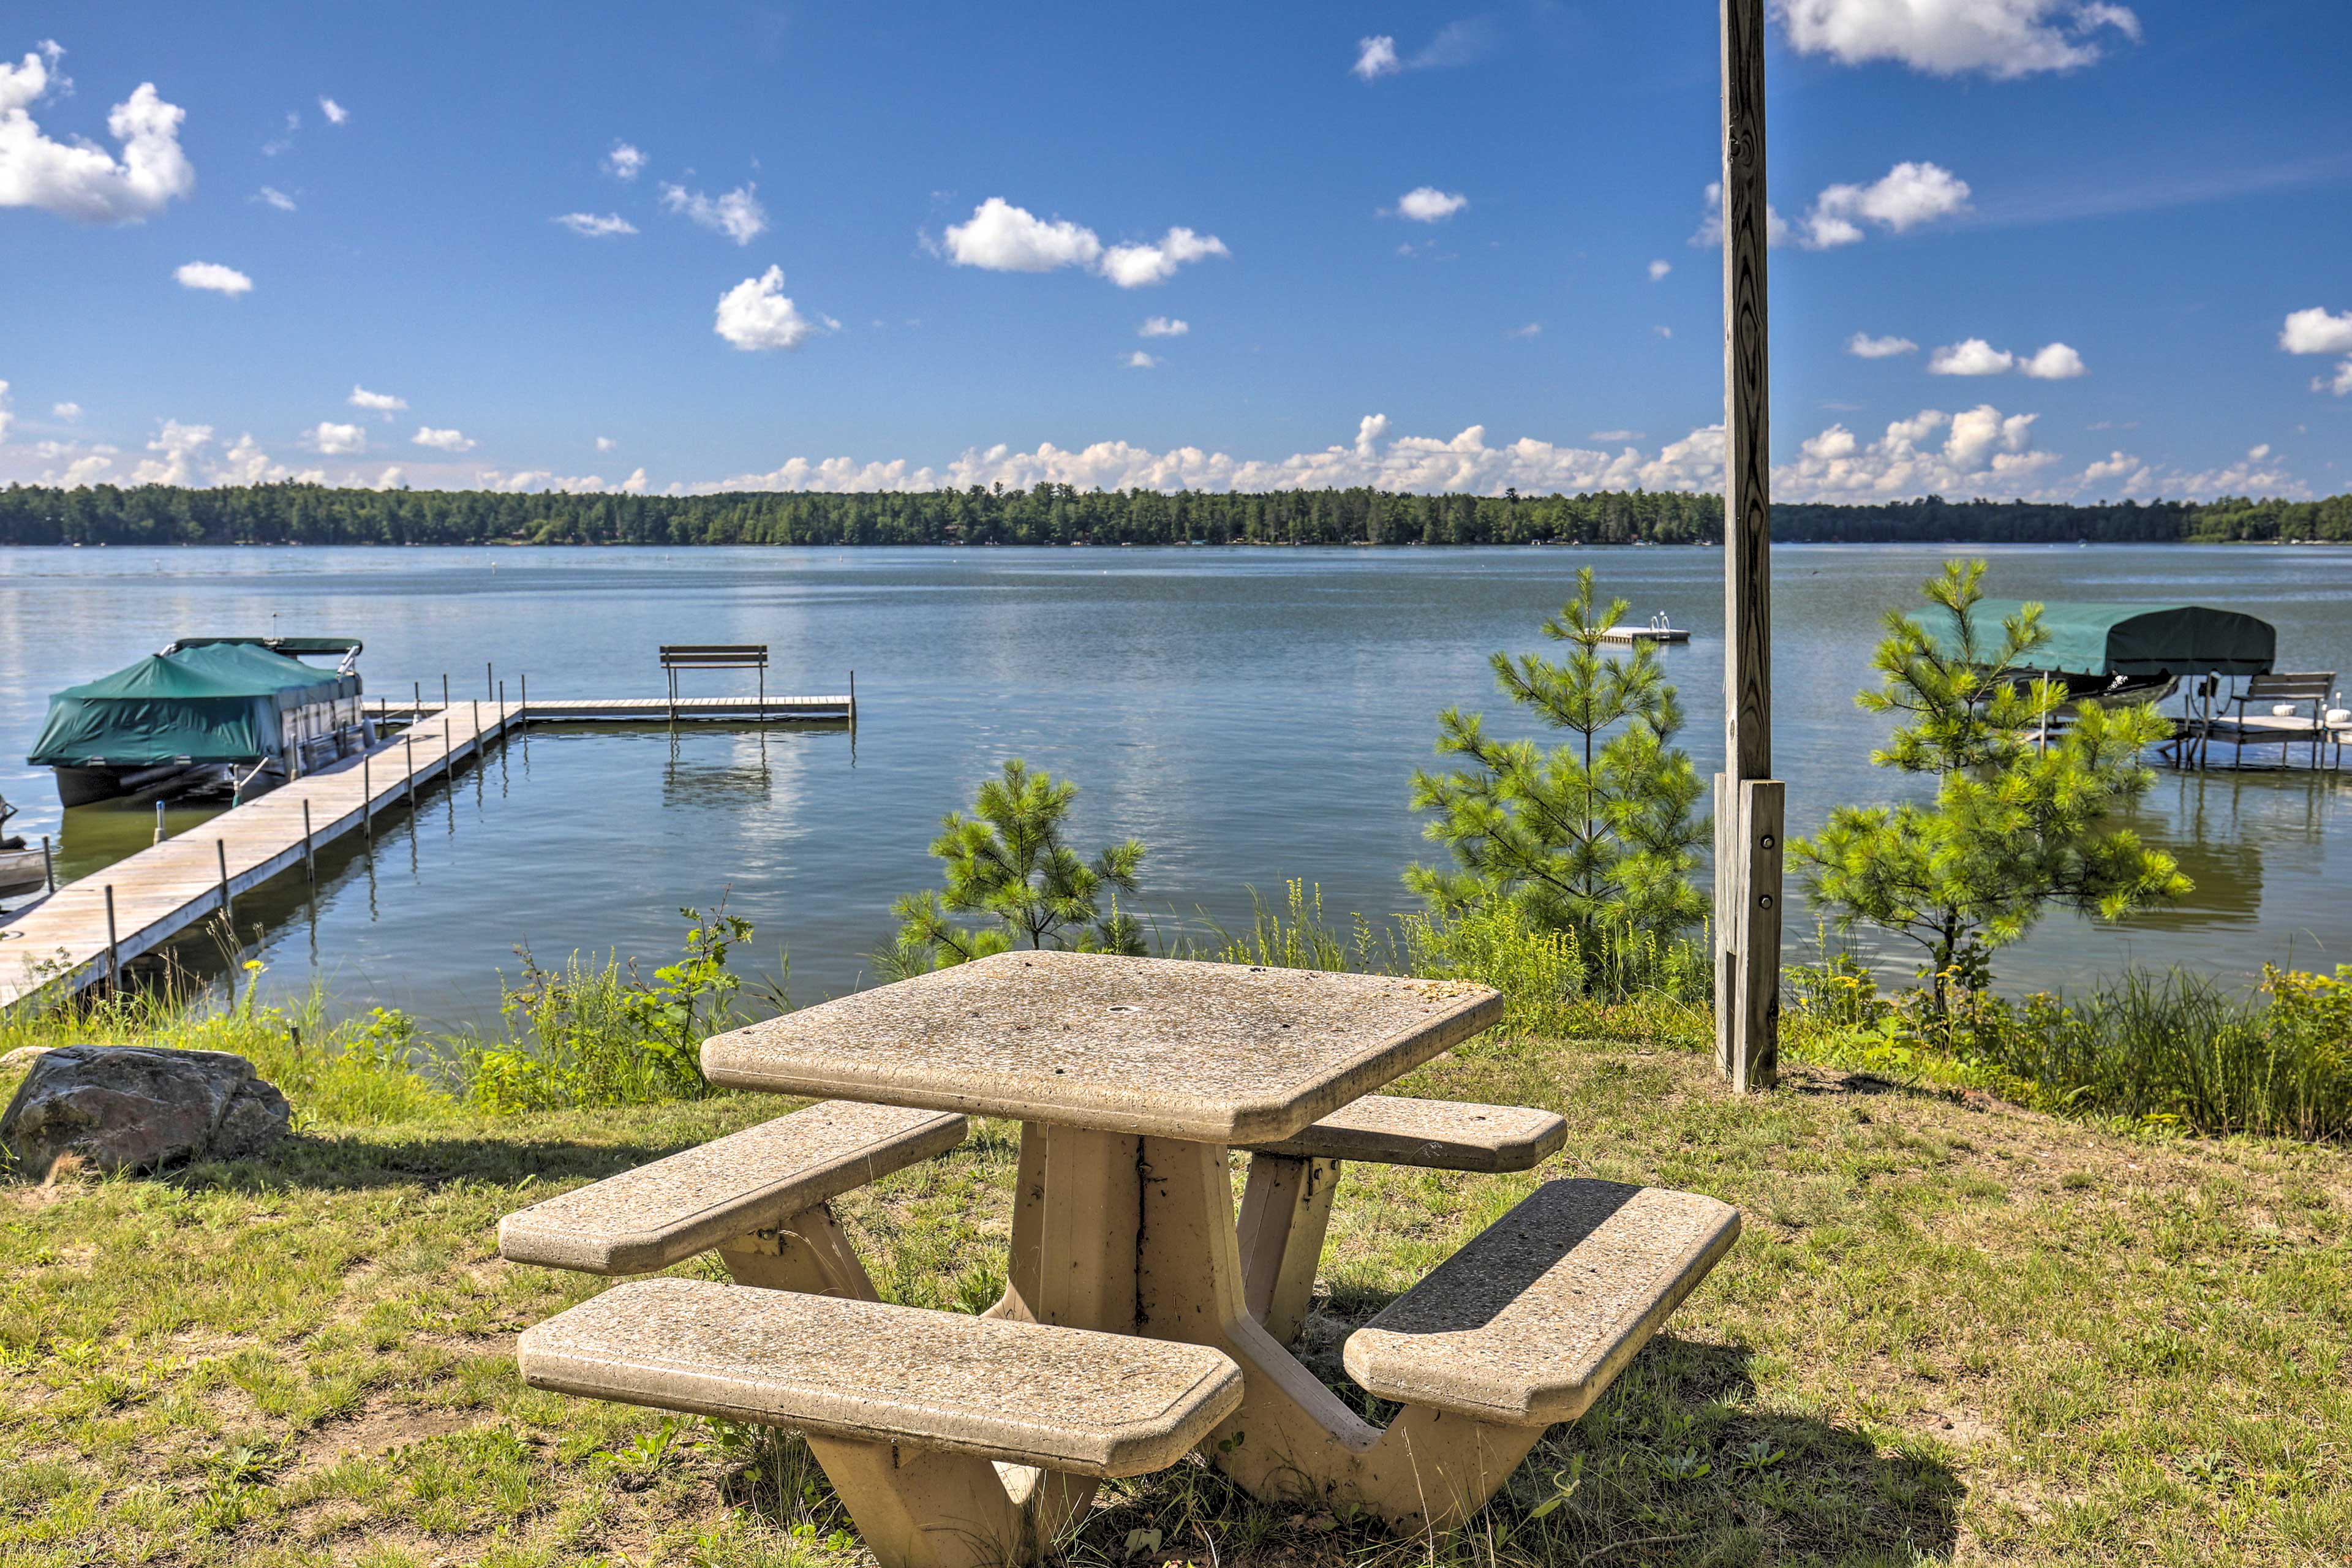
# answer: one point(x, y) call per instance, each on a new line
point(624, 162)
point(591, 226)
point(1659, 269)
point(1139, 360)
point(1861, 346)
point(1163, 327)
point(738, 215)
point(1001, 238)
point(1973, 357)
point(545, 480)
point(274, 197)
point(1908, 196)
point(335, 112)
point(757, 314)
point(2315, 331)
point(1427, 204)
point(1138, 266)
point(2054, 362)
point(1465, 463)
point(213, 276)
point(1456, 44)
point(605, 443)
point(442, 440)
point(335, 440)
point(1532, 330)
point(68, 412)
point(382, 403)
point(1982, 452)
point(1949, 38)
point(1376, 58)
point(176, 445)
point(80, 179)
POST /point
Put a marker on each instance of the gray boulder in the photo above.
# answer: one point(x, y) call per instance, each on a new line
point(134, 1108)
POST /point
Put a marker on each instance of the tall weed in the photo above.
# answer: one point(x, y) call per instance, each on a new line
point(591, 1034)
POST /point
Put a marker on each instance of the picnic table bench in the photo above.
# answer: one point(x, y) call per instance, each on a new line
point(1141, 1319)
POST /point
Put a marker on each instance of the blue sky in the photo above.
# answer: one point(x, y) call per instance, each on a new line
point(1426, 247)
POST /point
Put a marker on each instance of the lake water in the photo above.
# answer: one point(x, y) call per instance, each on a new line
point(1251, 715)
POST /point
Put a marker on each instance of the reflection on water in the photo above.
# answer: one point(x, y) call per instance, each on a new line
point(1251, 715)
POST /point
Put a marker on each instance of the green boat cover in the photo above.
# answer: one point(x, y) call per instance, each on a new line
point(2129, 639)
point(219, 703)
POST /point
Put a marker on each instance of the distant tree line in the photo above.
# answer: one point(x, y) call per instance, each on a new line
point(1060, 514)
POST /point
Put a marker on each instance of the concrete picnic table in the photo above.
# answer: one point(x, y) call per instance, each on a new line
point(1133, 1080)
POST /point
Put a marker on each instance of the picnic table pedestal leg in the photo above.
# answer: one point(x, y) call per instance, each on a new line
point(1285, 1211)
point(925, 1509)
point(1292, 1437)
point(1077, 1202)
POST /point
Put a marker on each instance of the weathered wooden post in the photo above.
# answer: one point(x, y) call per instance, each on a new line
point(1747, 799)
point(228, 905)
point(113, 952)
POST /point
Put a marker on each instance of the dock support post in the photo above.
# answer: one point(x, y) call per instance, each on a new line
point(410, 743)
point(525, 678)
point(48, 866)
point(448, 762)
point(113, 952)
point(159, 822)
point(853, 700)
point(228, 904)
point(417, 687)
point(489, 678)
point(444, 689)
point(309, 861)
point(367, 798)
point(1748, 803)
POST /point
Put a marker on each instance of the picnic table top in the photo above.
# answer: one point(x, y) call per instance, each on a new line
point(1212, 1053)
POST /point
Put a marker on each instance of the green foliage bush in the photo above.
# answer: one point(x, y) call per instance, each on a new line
point(2021, 821)
point(2174, 1048)
point(1008, 864)
point(1591, 837)
point(596, 1035)
point(351, 1071)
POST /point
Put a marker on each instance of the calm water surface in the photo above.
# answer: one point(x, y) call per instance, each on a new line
point(1251, 715)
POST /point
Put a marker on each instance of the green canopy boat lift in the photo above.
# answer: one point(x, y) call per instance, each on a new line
point(242, 712)
point(2113, 653)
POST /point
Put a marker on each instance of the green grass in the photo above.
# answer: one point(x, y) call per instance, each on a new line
point(1954, 1328)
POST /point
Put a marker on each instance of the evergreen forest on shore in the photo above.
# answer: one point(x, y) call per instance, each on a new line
point(293, 513)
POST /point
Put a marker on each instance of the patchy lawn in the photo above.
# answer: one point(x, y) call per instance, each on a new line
point(1953, 1330)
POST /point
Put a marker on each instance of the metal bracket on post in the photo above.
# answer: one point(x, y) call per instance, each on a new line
point(1747, 894)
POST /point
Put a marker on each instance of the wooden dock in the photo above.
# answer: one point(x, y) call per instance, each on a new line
point(83, 933)
point(842, 709)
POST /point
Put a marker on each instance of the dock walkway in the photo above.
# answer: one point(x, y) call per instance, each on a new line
point(85, 931)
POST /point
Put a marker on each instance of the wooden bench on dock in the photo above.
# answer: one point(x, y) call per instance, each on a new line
point(1287, 1207)
point(676, 656)
point(2279, 688)
point(761, 1198)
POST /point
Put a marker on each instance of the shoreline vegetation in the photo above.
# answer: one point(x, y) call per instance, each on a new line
point(293, 513)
